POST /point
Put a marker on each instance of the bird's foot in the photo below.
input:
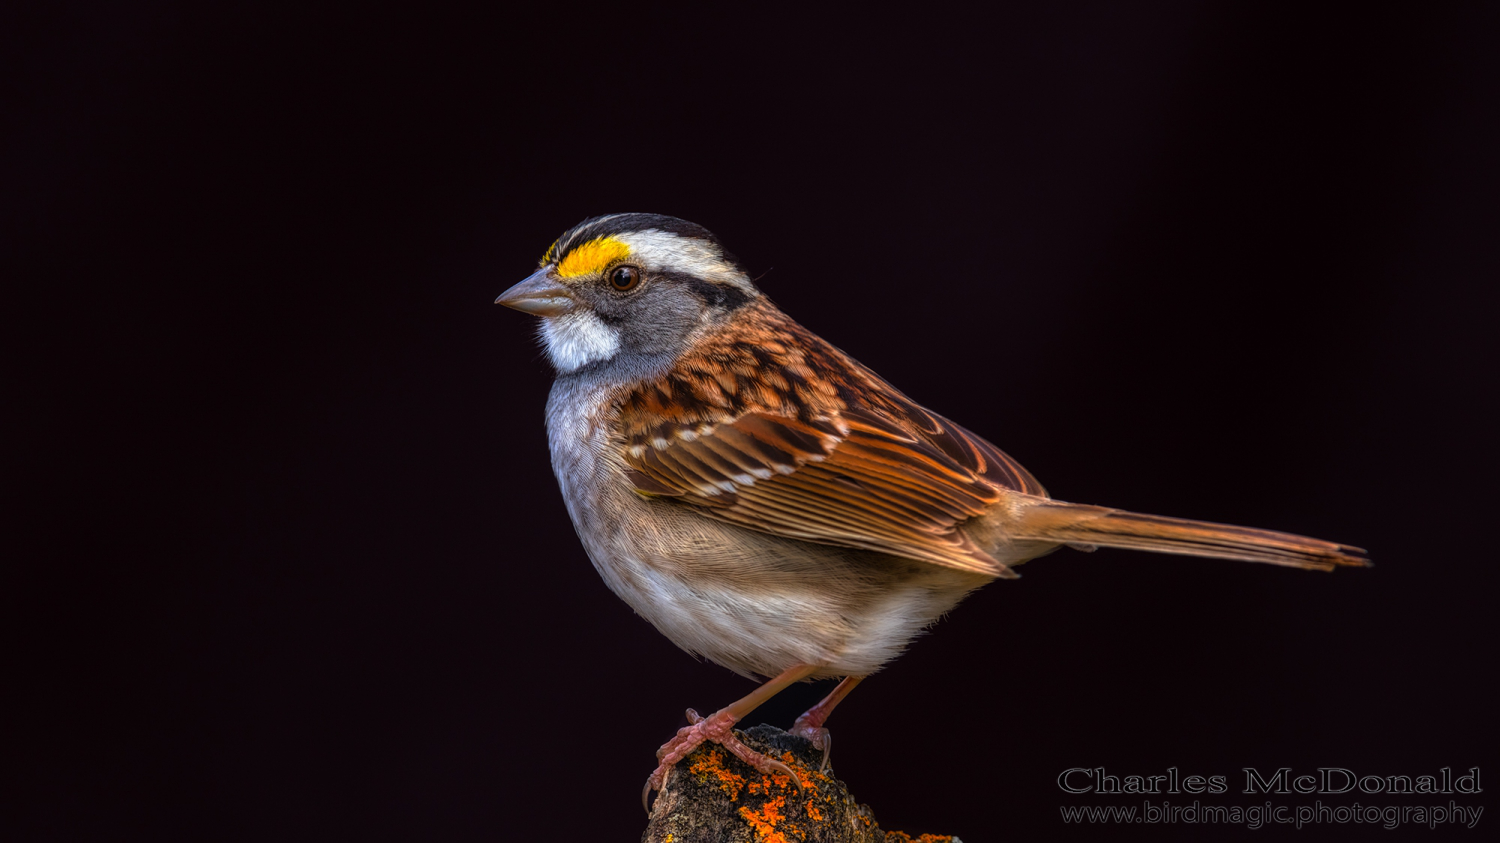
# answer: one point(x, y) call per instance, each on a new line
point(821, 738)
point(719, 728)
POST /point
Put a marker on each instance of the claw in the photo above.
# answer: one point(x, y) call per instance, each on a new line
point(784, 769)
point(819, 737)
point(693, 718)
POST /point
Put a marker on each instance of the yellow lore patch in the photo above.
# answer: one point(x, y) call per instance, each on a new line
point(592, 257)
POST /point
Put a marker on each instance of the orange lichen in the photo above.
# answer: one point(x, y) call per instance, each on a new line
point(764, 821)
point(903, 837)
point(803, 777)
point(780, 780)
point(769, 821)
point(709, 766)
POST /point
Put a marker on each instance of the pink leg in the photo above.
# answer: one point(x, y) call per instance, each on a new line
point(718, 727)
point(810, 724)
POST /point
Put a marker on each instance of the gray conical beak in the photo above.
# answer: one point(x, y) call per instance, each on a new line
point(539, 295)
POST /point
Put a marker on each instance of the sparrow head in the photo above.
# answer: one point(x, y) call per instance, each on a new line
point(630, 286)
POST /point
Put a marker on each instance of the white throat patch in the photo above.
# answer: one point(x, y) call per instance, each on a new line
point(578, 339)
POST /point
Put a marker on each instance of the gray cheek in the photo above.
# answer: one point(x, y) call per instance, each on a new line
point(658, 324)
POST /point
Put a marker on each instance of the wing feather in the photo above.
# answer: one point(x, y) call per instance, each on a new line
point(790, 436)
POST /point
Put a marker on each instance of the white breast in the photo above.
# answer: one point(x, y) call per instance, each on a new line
point(752, 602)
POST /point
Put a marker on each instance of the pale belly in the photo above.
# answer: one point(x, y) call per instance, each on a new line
point(752, 602)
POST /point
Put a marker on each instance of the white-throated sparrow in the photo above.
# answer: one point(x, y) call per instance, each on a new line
point(767, 502)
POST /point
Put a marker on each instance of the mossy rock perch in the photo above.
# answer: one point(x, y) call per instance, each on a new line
point(713, 797)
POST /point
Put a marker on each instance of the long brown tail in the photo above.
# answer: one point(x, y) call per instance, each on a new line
point(1071, 523)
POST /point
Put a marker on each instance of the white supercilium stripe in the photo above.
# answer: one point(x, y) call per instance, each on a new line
point(659, 251)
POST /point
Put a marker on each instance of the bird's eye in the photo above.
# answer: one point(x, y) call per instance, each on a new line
point(624, 278)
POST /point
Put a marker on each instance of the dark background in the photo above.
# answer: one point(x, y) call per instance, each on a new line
point(287, 560)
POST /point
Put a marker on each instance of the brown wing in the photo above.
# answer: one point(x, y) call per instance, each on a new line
point(789, 436)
